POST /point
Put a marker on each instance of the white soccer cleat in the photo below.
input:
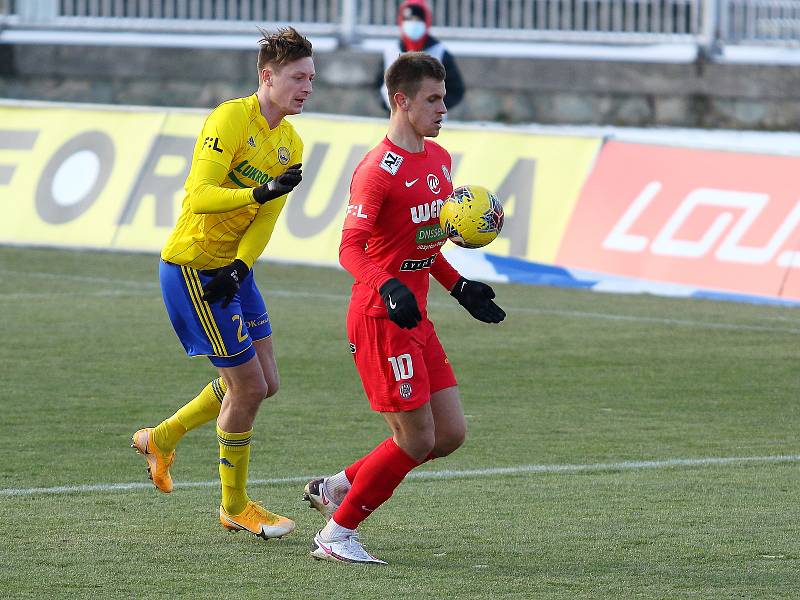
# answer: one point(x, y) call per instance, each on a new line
point(347, 550)
point(316, 494)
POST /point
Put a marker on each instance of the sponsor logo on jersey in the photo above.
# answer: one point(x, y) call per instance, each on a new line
point(391, 162)
point(283, 155)
point(430, 233)
point(433, 183)
point(357, 210)
point(433, 246)
point(212, 143)
point(245, 169)
point(352, 348)
point(412, 182)
point(427, 211)
point(417, 265)
point(446, 173)
point(256, 322)
point(251, 142)
point(405, 390)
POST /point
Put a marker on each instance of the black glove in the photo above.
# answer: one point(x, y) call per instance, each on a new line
point(400, 304)
point(282, 184)
point(476, 297)
point(225, 283)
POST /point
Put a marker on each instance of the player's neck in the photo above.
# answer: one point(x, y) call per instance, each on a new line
point(269, 111)
point(402, 134)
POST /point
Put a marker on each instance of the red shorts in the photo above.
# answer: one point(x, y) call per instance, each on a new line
point(399, 368)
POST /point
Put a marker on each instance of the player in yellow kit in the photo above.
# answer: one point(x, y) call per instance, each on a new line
point(246, 159)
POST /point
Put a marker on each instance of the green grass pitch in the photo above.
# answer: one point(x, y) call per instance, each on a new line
point(601, 409)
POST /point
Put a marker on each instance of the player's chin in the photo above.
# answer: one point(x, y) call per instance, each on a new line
point(297, 107)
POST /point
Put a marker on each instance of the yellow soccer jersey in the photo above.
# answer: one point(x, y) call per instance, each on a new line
point(235, 152)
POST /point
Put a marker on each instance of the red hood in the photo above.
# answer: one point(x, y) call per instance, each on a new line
point(415, 46)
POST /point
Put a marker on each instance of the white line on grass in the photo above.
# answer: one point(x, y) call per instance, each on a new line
point(344, 297)
point(424, 475)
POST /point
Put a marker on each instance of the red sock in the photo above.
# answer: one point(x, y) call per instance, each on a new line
point(379, 473)
point(350, 472)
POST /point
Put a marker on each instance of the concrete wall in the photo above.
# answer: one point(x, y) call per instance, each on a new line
point(503, 89)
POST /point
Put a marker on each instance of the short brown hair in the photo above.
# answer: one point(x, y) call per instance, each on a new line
point(407, 72)
point(282, 47)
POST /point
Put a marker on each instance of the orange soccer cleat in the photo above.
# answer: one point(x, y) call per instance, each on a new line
point(257, 520)
point(158, 463)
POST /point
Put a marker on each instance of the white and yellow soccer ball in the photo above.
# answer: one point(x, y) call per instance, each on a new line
point(471, 216)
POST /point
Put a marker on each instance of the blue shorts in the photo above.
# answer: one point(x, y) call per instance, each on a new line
point(225, 335)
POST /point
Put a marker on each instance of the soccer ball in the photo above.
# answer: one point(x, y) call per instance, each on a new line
point(471, 216)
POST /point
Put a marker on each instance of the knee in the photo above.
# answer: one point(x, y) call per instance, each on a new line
point(273, 382)
point(449, 443)
point(253, 391)
point(417, 444)
point(272, 388)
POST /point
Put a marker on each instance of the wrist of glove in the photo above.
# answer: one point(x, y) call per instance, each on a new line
point(225, 282)
point(476, 297)
point(280, 186)
point(401, 305)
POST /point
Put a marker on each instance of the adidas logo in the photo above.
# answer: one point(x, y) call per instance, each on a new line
point(252, 142)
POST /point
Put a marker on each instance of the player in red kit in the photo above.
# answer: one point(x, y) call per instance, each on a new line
point(390, 243)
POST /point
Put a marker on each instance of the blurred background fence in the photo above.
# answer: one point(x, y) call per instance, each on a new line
point(700, 22)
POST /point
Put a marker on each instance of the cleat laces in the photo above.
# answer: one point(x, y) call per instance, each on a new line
point(355, 546)
point(257, 509)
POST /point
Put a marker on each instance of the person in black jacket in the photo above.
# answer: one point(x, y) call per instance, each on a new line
point(414, 18)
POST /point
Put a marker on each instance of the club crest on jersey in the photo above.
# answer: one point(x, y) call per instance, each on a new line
point(283, 155)
point(433, 183)
point(391, 162)
point(405, 390)
point(446, 173)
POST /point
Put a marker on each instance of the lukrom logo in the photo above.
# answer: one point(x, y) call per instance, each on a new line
point(427, 211)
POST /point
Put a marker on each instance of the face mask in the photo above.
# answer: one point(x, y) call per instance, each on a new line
point(414, 30)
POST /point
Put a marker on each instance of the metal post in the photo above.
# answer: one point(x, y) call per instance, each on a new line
point(347, 23)
point(37, 11)
point(723, 31)
point(709, 43)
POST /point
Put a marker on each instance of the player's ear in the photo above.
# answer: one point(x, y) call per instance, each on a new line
point(266, 75)
point(401, 100)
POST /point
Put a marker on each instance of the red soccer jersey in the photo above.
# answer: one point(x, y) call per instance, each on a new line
point(395, 199)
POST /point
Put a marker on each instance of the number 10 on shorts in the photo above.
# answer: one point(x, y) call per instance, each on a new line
point(402, 367)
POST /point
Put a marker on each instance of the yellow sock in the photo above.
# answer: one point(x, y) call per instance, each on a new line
point(234, 456)
point(202, 409)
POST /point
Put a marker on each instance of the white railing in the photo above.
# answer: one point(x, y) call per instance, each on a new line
point(761, 22)
point(701, 22)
